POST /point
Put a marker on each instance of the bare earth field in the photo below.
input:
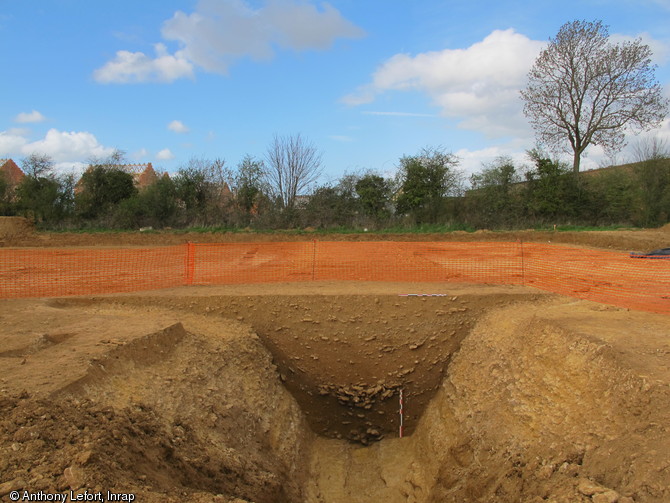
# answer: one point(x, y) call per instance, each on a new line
point(289, 392)
point(18, 234)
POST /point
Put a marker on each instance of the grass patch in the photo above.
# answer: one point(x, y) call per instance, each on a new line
point(84, 230)
point(584, 228)
point(399, 229)
point(426, 229)
point(394, 229)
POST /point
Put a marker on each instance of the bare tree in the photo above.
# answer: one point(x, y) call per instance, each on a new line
point(587, 90)
point(293, 165)
point(220, 177)
point(115, 160)
point(38, 165)
point(651, 149)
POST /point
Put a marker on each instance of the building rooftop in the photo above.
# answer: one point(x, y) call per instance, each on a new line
point(12, 172)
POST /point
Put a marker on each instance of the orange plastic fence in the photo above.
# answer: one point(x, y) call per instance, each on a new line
point(602, 276)
point(49, 272)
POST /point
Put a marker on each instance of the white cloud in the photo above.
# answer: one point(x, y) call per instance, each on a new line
point(69, 150)
point(11, 143)
point(472, 161)
point(26, 117)
point(178, 127)
point(300, 25)
point(478, 85)
point(130, 67)
point(165, 155)
point(660, 135)
point(18, 131)
point(75, 168)
point(219, 32)
point(663, 132)
point(65, 146)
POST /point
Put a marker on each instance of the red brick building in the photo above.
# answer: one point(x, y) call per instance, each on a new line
point(11, 172)
point(143, 175)
point(146, 177)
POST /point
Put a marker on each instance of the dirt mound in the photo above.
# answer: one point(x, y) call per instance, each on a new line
point(15, 228)
point(161, 416)
point(543, 400)
point(61, 445)
point(75, 444)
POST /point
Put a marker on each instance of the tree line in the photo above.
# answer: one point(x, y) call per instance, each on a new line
point(582, 90)
point(280, 192)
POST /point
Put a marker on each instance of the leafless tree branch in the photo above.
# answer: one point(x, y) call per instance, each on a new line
point(293, 165)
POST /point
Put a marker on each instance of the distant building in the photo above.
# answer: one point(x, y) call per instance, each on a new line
point(143, 175)
point(12, 174)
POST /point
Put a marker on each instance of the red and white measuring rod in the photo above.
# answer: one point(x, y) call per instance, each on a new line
point(401, 414)
point(422, 295)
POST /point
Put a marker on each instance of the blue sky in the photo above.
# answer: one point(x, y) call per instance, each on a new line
point(366, 81)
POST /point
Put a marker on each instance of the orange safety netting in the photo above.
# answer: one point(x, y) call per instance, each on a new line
point(602, 276)
point(49, 272)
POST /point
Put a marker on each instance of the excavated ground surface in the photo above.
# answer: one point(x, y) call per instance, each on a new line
point(15, 231)
point(188, 395)
point(345, 357)
point(288, 393)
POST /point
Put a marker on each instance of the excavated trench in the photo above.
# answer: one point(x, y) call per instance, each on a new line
point(345, 358)
point(345, 363)
point(295, 399)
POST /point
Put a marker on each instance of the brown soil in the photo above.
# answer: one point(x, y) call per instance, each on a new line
point(289, 393)
point(626, 240)
point(15, 229)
